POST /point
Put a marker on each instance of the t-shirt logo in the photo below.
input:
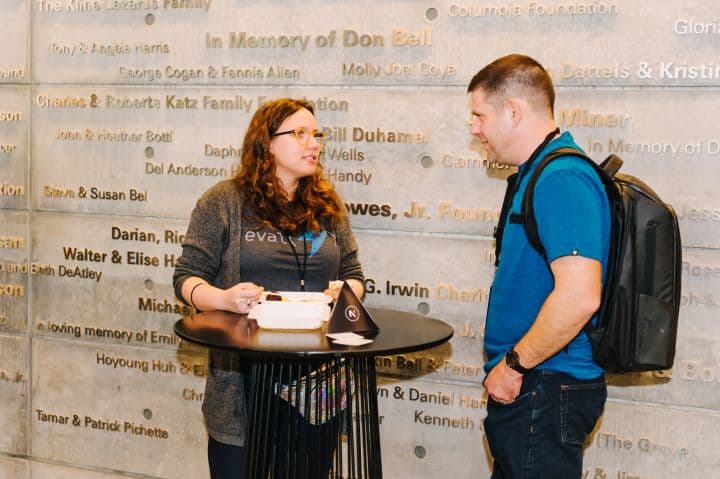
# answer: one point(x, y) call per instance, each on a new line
point(315, 241)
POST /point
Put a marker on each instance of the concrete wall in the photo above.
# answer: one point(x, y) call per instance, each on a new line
point(116, 115)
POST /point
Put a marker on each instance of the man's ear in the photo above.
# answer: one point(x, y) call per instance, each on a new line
point(516, 110)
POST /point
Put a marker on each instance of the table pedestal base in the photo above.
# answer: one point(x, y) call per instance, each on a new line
point(313, 418)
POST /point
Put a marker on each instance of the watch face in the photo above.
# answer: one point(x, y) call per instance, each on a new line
point(512, 359)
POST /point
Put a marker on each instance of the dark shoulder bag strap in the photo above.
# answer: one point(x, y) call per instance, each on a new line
point(527, 217)
point(500, 228)
point(512, 187)
point(606, 171)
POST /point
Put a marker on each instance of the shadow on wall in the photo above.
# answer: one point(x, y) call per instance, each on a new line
point(655, 378)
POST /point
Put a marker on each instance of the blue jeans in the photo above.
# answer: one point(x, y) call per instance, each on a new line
point(541, 434)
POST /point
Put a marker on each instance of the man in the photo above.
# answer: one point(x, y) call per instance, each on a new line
point(545, 391)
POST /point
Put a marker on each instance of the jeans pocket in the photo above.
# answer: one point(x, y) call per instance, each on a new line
point(515, 402)
point(581, 404)
point(504, 422)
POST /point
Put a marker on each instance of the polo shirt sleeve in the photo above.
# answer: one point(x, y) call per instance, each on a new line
point(568, 212)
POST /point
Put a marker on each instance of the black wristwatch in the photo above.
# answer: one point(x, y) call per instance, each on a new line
point(512, 359)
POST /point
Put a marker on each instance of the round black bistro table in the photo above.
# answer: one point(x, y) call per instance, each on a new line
point(312, 404)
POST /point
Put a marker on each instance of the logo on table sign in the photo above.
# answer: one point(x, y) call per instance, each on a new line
point(352, 313)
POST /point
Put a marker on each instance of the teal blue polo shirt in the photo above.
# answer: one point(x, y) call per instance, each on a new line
point(573, 218)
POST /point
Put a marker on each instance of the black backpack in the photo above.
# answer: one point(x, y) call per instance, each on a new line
point(637, 321)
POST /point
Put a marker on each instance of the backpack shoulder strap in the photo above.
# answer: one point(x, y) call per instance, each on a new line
point(527, 211)
point(611, 165)
point(500, 228)
point(606, 172)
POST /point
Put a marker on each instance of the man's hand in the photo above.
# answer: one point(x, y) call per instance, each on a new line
point(571, 304)
point(502, 383)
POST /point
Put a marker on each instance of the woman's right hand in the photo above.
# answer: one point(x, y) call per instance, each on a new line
point(242, 297)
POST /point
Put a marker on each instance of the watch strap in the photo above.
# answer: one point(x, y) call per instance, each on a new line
point(512, 359)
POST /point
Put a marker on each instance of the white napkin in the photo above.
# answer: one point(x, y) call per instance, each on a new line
point(349, 339)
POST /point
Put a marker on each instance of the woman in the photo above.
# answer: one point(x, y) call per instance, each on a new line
point(277, 225)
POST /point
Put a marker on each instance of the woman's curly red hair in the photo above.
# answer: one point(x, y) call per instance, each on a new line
point(316, 204)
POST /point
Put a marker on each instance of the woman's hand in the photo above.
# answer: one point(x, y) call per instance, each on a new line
point(242, 297)
point(333, 290)
point(335, 286)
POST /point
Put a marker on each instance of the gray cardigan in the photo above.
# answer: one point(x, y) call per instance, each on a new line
point(211, 249)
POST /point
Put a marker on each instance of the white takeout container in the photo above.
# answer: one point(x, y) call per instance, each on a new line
point(290, 314)
point(297, 297)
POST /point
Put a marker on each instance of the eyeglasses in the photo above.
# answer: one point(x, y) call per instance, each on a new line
point(303, 135)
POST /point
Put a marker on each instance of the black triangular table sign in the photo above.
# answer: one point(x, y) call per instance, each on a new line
point(350, 316)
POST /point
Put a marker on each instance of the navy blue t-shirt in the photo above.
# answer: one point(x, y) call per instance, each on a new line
point(573, 218)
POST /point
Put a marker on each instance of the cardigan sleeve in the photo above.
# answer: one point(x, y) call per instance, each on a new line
point(205, 241)
point(350, 267)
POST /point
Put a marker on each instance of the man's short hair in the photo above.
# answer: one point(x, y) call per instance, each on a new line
point(516, 75)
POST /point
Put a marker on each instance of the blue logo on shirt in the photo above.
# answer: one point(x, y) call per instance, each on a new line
point(315, 241)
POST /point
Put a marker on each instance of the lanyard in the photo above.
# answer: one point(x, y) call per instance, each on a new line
point(532, 158)
point(301, 270)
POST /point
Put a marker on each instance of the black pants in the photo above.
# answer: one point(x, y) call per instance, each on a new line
point(310, 457)
point(226, 461)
